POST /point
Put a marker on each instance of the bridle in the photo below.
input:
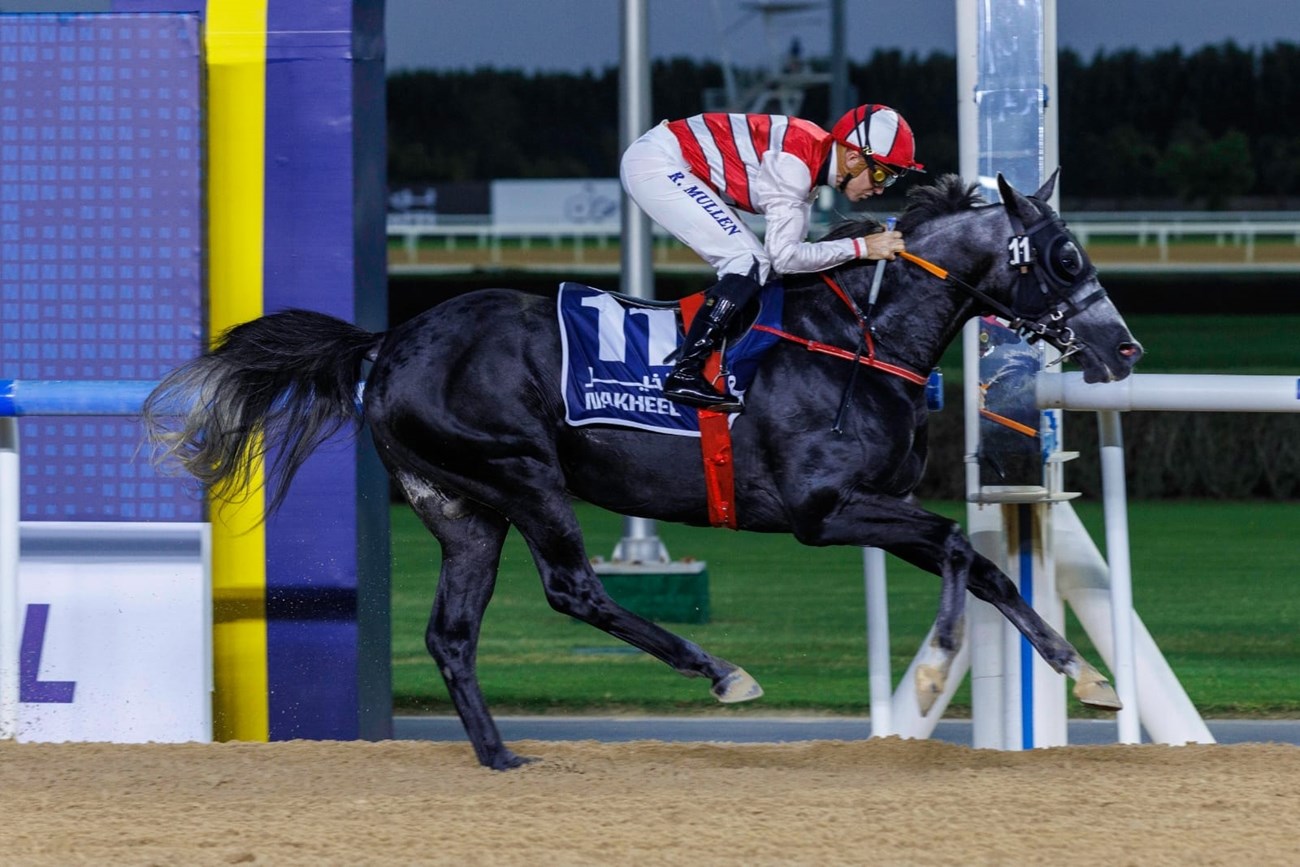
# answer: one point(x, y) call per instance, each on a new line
point(1053, 273)
point(1056, 274)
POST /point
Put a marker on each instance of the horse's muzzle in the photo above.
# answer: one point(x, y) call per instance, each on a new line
point(1112, 366)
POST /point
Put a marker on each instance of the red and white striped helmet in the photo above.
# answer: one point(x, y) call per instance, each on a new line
point(881, 133)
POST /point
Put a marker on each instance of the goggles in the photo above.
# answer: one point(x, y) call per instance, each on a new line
point(881, 175)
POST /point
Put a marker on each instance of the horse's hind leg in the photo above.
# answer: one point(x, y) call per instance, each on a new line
point(471, 540)
point(572, 587)
point(925, 540)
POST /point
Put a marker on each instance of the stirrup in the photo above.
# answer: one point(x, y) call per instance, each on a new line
point(701, 395)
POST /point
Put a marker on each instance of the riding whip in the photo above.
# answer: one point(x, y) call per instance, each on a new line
point(876, 279)
point(880, 270)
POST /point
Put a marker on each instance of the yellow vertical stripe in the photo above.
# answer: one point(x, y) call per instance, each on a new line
point(236, 58)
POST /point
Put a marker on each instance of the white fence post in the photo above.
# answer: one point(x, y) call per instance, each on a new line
point(10, 485)
point(878, 656)
point(1115, 500)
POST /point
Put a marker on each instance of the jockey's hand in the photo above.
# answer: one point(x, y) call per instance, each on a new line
point(883, 245)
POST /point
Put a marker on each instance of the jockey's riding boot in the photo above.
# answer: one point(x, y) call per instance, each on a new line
point(686, 384)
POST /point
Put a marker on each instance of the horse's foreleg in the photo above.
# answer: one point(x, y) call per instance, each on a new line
point(925, 540)
point(573, 588)
point(949, 623)
point(1091, 687)
point(471, 553)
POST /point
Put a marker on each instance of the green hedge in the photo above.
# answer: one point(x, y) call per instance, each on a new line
point(1167, 455)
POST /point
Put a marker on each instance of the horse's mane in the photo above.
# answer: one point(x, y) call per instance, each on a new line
point(949, 194)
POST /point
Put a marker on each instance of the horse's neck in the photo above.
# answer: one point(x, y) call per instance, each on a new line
point(916, 319)
point(921, 316)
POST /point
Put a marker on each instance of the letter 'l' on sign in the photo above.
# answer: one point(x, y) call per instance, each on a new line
point(31, 689)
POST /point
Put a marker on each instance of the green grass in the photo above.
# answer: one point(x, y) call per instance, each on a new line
point(1213, 582)
point(1217, 344)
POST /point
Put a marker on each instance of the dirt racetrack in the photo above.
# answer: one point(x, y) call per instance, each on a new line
point(824, 803)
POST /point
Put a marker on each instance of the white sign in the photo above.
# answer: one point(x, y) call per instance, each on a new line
point(587, 202)
point(115, 632)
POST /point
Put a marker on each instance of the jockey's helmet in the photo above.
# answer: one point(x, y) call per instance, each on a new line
point(880, 134)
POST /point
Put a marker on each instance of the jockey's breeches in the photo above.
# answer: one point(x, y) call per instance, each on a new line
point(656, 176)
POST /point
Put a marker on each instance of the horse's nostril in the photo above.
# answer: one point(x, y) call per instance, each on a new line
point(1131, 350)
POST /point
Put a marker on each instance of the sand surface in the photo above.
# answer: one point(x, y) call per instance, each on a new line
point(822, 803)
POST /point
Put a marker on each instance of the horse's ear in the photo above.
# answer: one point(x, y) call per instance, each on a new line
point(1016, 202)
point(1045, 191)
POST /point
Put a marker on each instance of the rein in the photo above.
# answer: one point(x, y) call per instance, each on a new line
point(867, 360)
point(943, 274)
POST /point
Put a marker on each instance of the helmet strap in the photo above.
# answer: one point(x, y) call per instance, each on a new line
point(846, 173)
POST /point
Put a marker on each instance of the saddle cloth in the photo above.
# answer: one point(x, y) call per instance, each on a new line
point(615, 351)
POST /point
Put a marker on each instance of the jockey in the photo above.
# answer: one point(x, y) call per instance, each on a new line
point(691, 175)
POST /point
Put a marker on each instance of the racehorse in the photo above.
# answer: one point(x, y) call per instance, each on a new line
point(464, 406)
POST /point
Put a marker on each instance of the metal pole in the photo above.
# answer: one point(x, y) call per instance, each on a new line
point(634, 120)
point(1005, 126)
point(968, 140)
point(968, 147)
point(9, 488)
point(1051, 98)
point(878, 662)
point(640, 543)
point(1187, 392)
point(840, 100)
point(984, 523)
point(1115, 506)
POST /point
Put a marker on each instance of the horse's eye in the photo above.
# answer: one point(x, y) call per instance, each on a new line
point(1070, 259)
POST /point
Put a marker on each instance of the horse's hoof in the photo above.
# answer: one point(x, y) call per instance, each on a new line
point(1099, 694)
point(930, 681)
point(735, 687)
point(508, 760)
point(1093, 689)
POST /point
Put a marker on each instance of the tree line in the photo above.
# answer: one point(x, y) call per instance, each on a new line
point(1212, 128)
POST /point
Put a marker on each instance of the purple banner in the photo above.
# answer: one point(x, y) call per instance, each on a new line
point(101, 229)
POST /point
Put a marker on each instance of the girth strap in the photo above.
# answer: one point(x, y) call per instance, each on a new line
point(719, 468)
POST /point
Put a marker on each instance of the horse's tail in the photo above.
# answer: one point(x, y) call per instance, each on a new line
point(279, 385)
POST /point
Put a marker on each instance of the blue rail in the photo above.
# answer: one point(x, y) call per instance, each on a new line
point(20, 397)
